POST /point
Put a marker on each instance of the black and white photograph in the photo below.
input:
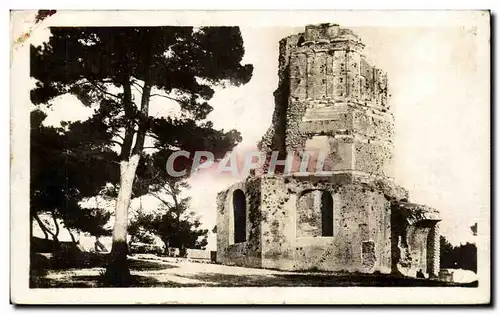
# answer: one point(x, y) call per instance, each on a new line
point(267, 151)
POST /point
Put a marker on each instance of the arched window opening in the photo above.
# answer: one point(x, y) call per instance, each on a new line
point(326, 214)
point(315, 214)
point(240, 216)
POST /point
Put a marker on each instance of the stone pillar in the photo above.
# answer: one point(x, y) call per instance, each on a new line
point(435, 246)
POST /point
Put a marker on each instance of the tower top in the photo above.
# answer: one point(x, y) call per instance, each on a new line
point(331, 99)
point(328, 32)
point(326, 63)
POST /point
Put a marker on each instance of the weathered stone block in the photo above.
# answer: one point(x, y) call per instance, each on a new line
point(374, 158)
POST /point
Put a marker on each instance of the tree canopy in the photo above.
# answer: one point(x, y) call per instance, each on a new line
point(105, 66)
point(64, 172)
point(173, 221)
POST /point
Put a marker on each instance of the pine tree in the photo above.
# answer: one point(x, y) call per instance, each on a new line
point(104, 65)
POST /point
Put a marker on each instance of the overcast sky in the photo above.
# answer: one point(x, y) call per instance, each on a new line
point(438, 98)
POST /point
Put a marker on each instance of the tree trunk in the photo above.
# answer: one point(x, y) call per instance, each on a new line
point(117, 271)
point(31, 228)
point(55, 235)
point(42, 226)
point(72, 237)
point(56, 245)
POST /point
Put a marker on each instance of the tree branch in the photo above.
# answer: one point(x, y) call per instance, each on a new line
point(72, 236)
point(44, 228)
point(119, 136)
point(137, 86)
point(169, 206)
point(102, 90)
point(134, 81)
point(116, 142)
point(167, 97)
point(56, 233)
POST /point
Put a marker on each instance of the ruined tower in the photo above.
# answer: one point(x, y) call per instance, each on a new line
point(352, 217)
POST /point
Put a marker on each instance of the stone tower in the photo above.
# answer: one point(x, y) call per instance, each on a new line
point(331, 98)
point(352, 217)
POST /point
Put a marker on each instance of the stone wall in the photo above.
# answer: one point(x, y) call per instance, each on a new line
point(247, 253)
point(361, 225)
point(277, 224)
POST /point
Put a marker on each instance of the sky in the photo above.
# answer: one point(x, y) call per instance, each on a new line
point(439, 100)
